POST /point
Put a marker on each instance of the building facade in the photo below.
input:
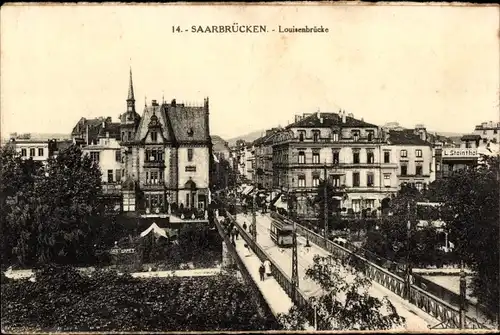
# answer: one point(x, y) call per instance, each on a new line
point(345, 149)
point(413, 154)
point(107, 153)
point(488, 132)
point(166, 156)
point(263, 174)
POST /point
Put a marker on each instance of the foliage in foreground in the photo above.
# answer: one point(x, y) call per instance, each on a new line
point(345, 303)
point(63, 299)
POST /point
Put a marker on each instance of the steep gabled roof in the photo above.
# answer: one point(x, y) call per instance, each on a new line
point(471, 137)
point(406, 137)
point(189, 123)
point(329, 120)
point(268, 137)
point(143, 128)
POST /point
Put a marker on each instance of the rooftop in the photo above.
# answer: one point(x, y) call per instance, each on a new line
point(324, 120)
point(406, 137)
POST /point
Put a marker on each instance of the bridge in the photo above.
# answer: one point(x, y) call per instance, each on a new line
point(422, 311)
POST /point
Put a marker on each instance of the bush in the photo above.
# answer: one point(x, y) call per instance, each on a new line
point(62, 299)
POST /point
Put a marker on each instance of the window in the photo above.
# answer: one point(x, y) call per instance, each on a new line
point(355, 157)
point(387, 157)
point(316, 158)
point(387, 180)
point(302, 181)
point(336, 157)
point(355, 179)
point(404, 170)
point(40, 151)
point(315, 181)
point(438, 167)
point(190, 154)
point(370, 157)
point(335, 136)
point(418, 153)
point(110, 176)
point(370, 179)
point(161, 176)
point(154, 136)
point(118, 156)
point(403, 153)
point(335, 180)
point(419, 186)
point(468, 144)
point(356, 205)
point(32, 152)
point(187, 200)
point(495, 131)
point(154, 177)
point(118, 174)
point(370, 135)
point(485, 140)
point(123, 136)
point(355, 135)
point(94, 156)
point(123, 173)
point(130, 136)
point(418, 170)
point(370, 203)
point(301, 136)
point(23, 152)
point(316, 135)
point(302, 157)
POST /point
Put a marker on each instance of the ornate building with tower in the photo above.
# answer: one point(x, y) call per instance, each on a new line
point(166, 157)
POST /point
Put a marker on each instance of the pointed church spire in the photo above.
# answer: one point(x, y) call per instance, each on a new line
point(131, 88)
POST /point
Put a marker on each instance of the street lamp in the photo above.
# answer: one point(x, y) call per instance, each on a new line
point(463, 295)
point(408, 251)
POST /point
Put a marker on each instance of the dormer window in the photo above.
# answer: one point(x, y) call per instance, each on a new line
point(316, 134)
point(370, 135)
point(335, 136)
point(355, 135)
point(302, 135)
point(154, 136)
point(190, 132)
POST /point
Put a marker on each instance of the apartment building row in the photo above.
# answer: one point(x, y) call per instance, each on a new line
point(368, 161)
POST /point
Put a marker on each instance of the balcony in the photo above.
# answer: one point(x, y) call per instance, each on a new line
point(111, 188)
point(153, 185)
point(329, 166)
point(340, 140)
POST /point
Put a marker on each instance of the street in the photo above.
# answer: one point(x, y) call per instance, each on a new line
point(416, 320)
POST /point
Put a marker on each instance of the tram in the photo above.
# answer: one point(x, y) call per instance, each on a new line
point(282, 233)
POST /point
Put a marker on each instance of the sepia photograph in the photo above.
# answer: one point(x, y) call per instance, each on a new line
point(249, 167)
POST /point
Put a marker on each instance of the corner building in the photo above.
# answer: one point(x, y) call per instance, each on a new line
point(165, 156)
point(347, 149)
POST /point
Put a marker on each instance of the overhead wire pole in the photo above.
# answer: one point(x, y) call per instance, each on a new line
point(498, 242)
point(254, 218)
point(326, 204)
point(408, 251)
point(295, 266)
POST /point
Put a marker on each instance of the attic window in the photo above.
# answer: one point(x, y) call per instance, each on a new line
point(190, 132)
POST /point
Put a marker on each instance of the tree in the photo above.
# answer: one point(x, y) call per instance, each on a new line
point(333, 204)
point(345, 303)
point(55, 212)
point(471, 201)
point(16, 191)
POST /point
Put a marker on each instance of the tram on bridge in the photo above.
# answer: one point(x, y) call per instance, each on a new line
point(282, 233)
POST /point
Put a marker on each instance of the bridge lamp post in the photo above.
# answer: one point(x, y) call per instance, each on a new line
point(254, 218)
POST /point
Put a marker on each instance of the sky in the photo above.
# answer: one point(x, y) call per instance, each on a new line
point(431, 65)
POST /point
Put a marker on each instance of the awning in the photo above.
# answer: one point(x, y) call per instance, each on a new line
point(276, 198)
point(281, 204)
point(247, 190)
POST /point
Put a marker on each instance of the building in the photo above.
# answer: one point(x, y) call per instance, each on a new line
point(166, 157)
point(39, 148)
point(413, 154)
point(263, 158)
point(223, 170)
point(86, 131)
point(107, 153)
point(488, 132)
point(249, 159)
point(346, 149)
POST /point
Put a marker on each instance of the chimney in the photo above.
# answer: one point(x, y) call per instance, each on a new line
point(154, 103)
point(298, 118)
point(321, 120)
point(343, 117)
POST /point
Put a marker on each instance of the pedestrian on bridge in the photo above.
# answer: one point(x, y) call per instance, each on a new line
point(267, 266)
point(262, 270)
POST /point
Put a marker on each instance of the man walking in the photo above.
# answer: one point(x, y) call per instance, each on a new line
point(261, 271)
